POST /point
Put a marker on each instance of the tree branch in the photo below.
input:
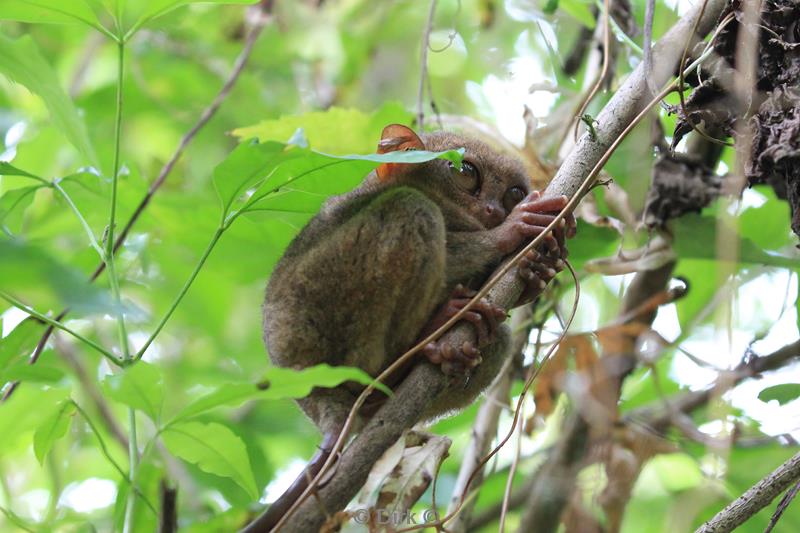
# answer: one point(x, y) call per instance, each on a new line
point(659, 417)
point(755, 499)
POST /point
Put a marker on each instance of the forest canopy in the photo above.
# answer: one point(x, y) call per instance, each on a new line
point(158, 157)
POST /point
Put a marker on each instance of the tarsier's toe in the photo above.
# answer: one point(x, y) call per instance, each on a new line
point(454, 361)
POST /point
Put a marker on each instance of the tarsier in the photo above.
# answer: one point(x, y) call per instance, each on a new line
point(383, 266)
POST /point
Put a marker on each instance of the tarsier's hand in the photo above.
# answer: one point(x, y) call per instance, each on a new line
point(540, 265)
point(484, 315)
point(528, 219)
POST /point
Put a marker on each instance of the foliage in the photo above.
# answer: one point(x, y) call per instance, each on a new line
point(168, 339)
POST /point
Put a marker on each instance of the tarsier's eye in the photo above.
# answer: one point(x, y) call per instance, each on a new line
point(467, 177)
point(512, 197)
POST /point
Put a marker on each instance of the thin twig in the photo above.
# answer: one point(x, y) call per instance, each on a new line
point(647, 44)
point(423, 67)
point(603, 70)
point(782, 506)
point(756, 498)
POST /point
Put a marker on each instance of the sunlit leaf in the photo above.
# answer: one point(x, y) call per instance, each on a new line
point(288, 383)
point(52, 429)
point(139, 12)
point(12, 208)
point(139, 386)
point(278, 383)
point(25, 411)
point(783, 393)
point(254, 172)
point(579, 10)
point(767, 225)
point(21, 61)
point(7, 169)
point(19, 343)
point(39, 373)
point(324, 129)
point(48, 11)
point(213, 448)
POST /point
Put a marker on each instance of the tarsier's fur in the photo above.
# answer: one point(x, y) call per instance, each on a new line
point(361, 280)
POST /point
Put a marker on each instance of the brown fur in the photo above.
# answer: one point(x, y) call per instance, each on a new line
point(361, 280)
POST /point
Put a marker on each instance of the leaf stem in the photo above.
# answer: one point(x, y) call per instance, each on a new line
point(133, 460)
point(74, 208)
point(58, 325)
point(107, 455)
point(109, 243)
point(217, 234)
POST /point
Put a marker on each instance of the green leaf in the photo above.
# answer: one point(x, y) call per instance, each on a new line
point(324, 130)
point(271, 169)
point(214, 449)
point(229, 394)
point(19, 343)
point(242, 169)
point(767, 225)
point(22, 62)
point(12, 208)
point(139, 386)
point(25, 411)
point(287, 383)
point(695, 237)
point(7, 169)
point(784, 393)
point(279, 383)
point(550, 7)
point(137, 13)
point(49, 11)
point(52, 429)
point(45, 283)
point(579, 10)
point(40, 373)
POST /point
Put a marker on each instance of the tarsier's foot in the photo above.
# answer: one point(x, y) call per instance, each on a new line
point(484, 315)
point(537, 269)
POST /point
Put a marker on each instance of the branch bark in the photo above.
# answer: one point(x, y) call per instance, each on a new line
point(756, 498)
point(426, 382)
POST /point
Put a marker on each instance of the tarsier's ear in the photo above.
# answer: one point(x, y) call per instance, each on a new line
point(396, 137)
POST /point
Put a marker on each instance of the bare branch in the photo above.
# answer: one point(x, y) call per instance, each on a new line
point(755, 499)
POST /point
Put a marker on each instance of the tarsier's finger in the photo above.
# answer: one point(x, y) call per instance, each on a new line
point(433, 353)
point(462, 292)
point(543, 271)
point(545, 205)
point(482, 327)
point(537, 219)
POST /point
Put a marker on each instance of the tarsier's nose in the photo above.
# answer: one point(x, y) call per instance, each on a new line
point(494, 215)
